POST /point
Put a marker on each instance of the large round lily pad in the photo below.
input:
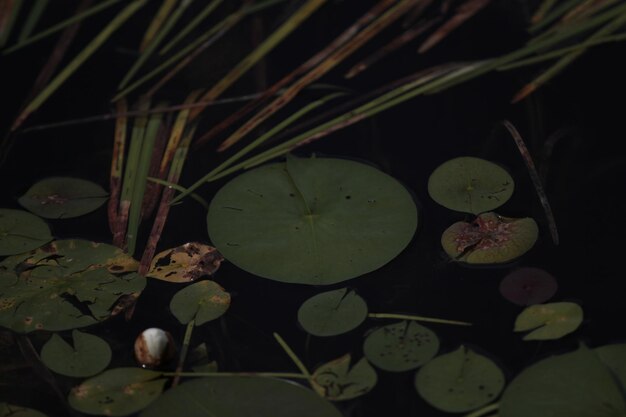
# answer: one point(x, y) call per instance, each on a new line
point(63, 197)
point(489, 239)
point(21, 231)
point(333, 312)
point(470, 185)
point(312, 221)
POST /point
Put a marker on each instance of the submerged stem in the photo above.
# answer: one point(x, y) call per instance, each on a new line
point(417, 318)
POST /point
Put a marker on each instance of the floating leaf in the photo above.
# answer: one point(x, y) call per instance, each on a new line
point(64, 285)
point(185, 263)
point(470, 185)
point(202, 301)
point(336, 381)
point(575, 384)
point(527, 286)
point(117, 392)
point(401, 346)
point(459, 381)
point(333, 312)
point(21, 231)
point(11, 410)
point(489, 239)
point(549, 321)
point(89, 355)
point(312, 221)
point(63, 197)
point(614, 356)
point(240, 396)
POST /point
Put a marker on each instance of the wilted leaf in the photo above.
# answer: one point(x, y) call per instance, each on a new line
point(185, 263)
point(202, 301)
point(459, 381)
point(333, 312)
point(549, 321)
point(21, 231)
point(337, 381)
point(88, 356)
point(527, 286)
point(63, 197)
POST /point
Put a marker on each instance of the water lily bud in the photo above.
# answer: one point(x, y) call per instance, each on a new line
point(154, 347)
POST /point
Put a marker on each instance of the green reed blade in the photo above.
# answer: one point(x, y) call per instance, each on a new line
point(36, 11)
point(7, 28)
point(190, 26)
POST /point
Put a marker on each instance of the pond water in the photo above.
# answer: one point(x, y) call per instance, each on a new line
point(571, 127)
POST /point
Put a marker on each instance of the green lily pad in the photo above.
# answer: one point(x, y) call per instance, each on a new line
point(489, 239)
point(11, 410)
point(401, 346)
point(333, 312)
point(337, 381)
point(470, 185)
point(312, 221)
point(549, 321)
point(89, 355)
point(63, 197)
point(240, 396)
point(185, 263)
point(65, 285)
point(202, 301)
point(575, 384)
point(614, 356)
point(117, 392)
point(21, 231)
point(459, 381)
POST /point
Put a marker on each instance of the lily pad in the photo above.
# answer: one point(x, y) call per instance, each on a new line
point(64, 285)
point(333, 312)
point(575, 384)
point(549, 321)
point(312, 221)
point(490, 239)
point(337, 381)
point(470, 185)
point(88, 356)
point(527, 286)
point(11, 410)
point(63, 197)
point(21, 231)
point(401, 346)
point(117, 392)
point(240, 396)
point(202, 301)
point(185, 263)
point(614, 356)
point(459, 381)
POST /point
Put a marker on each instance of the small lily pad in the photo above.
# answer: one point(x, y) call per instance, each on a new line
point(89, 355)
point(185, 263)
point(21, 231)
point(11, 410)
point(575, 384)
point(489, 239)
point(63, 197)
point(470, 185)
point(459, 381)
point(401, 346)
point(202, 301)
point(117, 392)
point(527, 286)
point(337, 381)
point(549, 321)
point(333, 312)
point(314, 221)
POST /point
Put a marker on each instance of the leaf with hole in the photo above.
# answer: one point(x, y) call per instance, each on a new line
point(12, 410)
point(63, 197)
point(337, 381)
point(527, 286)
point(240, 396)
point(401, 346)
point(185, 263)
point(21, 231)
point(489, 239)
point(459, 381)
point(549, 321)
point(117, 392)
point(202, 301)
point(88, 356)
point(314, 221)
point(333, 312)
point(470, 185)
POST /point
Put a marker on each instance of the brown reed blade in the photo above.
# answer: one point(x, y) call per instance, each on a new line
point(157, 23)
point(115, 179)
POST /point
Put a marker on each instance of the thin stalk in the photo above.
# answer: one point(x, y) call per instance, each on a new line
point(305, 372)
point(157, 23)
point(488, 409)
point(208, 9)
point(60, 26)
point(230, 374)
point(153, 190)
point(183, 352)
point(36, 11)
point(417, 318)
point(112, 26)
point(181, 189)
point(552, 16)
point(115, 179)
point(542, 10)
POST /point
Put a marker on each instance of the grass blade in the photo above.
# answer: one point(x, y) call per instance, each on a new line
point(156, 23)
point(36, 11)
point(542, 10)
point(191, 26)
